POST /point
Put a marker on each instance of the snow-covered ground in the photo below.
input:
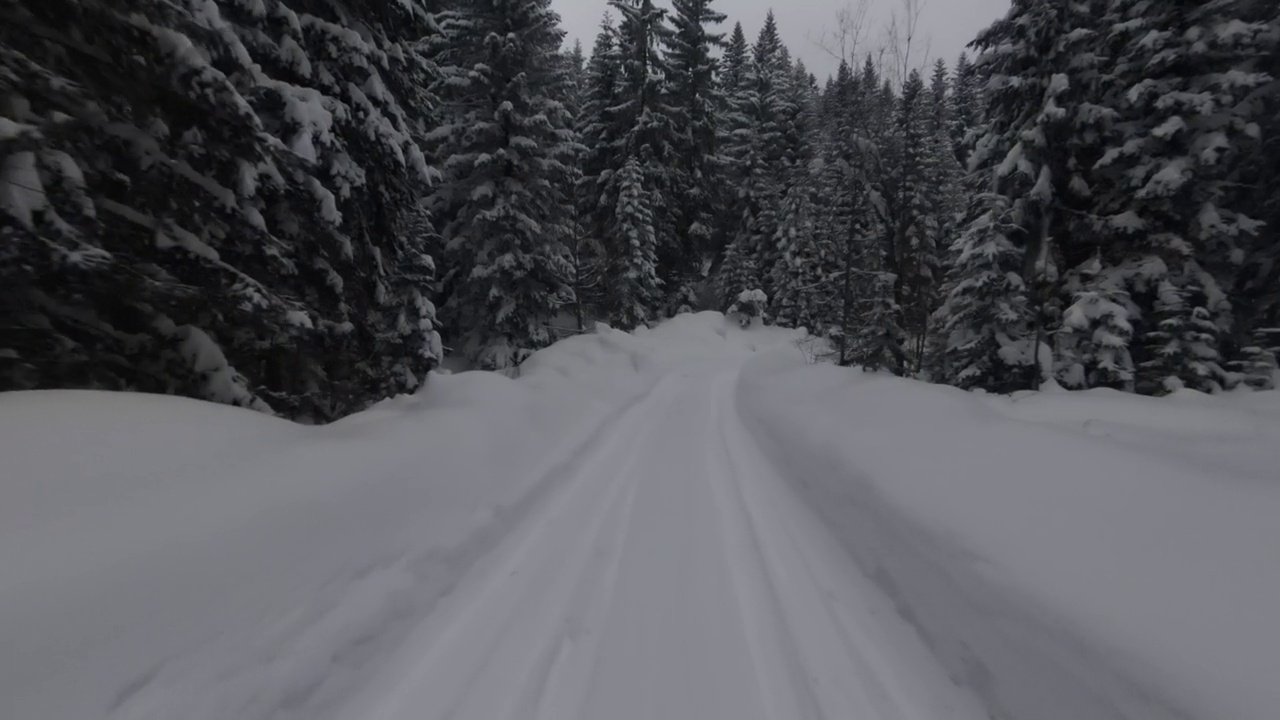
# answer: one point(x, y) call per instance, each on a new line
point(690, 522)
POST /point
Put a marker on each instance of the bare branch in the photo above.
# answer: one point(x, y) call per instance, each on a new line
point(847, 39)
point(901, 37)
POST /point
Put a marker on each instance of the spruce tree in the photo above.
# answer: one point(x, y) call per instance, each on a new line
point(964, 106)
point(696, 97)
point(233, 222)
point(986, 318)
point(735, 139)
point(1035, 150)
point(802, 271)
point(760, 159)
point(634, 286)
point(509, 146)
point(599, 132)
point(1185, 90)
point(648, 126)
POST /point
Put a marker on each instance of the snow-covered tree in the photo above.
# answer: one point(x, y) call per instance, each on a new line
point(965, 106)
point(1093, 344)
point(600, 131)
point(986, 318)
point(634, 286)
point(735, 137)
point(1040, 77)
point(1185, 92)
point(802, 275)
point(739, 271)
point(695, 94)
point(508, 146)
point(223, 218)
point(759, 155)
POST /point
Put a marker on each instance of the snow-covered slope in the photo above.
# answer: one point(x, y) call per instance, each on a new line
point(1091, 555)
point(685, 522)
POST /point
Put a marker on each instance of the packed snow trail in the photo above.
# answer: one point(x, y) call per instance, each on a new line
point(670, 577)
point(692, 521)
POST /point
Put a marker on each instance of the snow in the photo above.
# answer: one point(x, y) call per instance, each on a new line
point(1075, 555)
point(687, 521)
point(21, 192)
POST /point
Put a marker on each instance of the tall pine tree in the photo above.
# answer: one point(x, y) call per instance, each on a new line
point(509, 147)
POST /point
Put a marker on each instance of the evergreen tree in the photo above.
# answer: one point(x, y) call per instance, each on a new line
point(911, 202)
point(803, 270)
point(696, 96)
point(1093, 348)
point(634, 286)
point(986, 317)
point(221, 224)
point(739, 272)
point(1184, 89)
point(735, 139)
point(964, 107)
point(734, 61)
point(648, 128)
point(760, 157)
point(600, 132)
point(509, 148)
point(1041, 123)
point(942, 197)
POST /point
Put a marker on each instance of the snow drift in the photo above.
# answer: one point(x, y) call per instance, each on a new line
point(1091, 555)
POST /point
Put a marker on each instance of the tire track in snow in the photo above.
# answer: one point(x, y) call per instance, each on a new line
point(672, 573)
point(856, 652)
point(785, 686)
point(318, 659)
point(485, 636)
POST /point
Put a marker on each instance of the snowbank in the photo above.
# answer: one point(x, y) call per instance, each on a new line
point(213, 561)
point(1068, 556)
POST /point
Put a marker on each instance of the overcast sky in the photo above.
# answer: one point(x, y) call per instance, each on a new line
point(946, 26)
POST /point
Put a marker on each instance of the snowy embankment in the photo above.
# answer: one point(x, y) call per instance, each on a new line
point(1064, 556)
point(160, 550)
point(1093, 555)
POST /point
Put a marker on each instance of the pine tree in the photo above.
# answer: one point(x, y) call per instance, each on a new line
point(912, 206)
point(735, 139)
point(509, 145)
point(218, 225)
point(942, 198)
point(1182, 90)
point(647, 129)
point(1093, 346)
point(584, 251)
point(600, 132)
point(986, 317)
point(634, 286)
point(697, 99)
point(739, 272)
point(760, 156)
point(1042, 122)
point(734, 61)
point(964, 107)
point(1256, 296)
point(802, 272)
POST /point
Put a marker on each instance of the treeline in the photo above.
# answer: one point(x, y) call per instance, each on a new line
point(287, 204)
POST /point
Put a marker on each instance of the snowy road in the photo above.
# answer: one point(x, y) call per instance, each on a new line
point(670, 576)
point(690, 522)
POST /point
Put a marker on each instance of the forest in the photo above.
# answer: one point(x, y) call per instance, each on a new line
point(304, 206)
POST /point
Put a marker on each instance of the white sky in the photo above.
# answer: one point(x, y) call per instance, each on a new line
point(946, 26)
